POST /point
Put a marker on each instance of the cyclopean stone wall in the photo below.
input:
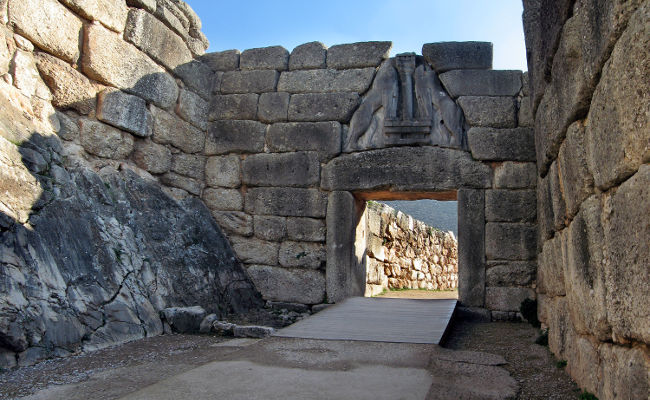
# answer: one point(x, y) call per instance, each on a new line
point(103, 114)
point(298, 141)
point(404, 253)
point(589, 65)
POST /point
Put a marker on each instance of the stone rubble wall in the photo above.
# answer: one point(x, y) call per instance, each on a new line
point(103, 118)
point(404, 253)
point(589, 64)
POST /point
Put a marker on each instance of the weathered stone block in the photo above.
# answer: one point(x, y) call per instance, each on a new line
point(150, 35)
point(222, 60)
point(132, 71)
point(273, 107)
point(502, 144)
point(525, 115)
point(403, 169)
point(471, 243)
point(495, 112)
point(110, 13)
point(235, 136)
point(324, 137)
point(304, 286)
point(256, 81)
point(26, 77)
point(544, 209)
point(445, 56)
point(189, 165)
point(506, 298)
point(573, 169)
point(224, 171)
point(169, 129)
point(234, 222)
point(627, 234)
point(69, 129)
point(308, 56)
point(234, 106)
point(481, 82)
point(5, 58)
point(344, 277)
point(551, 261)
point(49, 25)
point(306, 229)
point(223, 199)
point(358, 55)
point(252, 331)
point(153, 157)
point(290, 202)
point(281, 169)
point(510, 241)
point(197, 77)
point(511, 175)
point(323, 106)
point(105, 141)
point(193, 109)
point(326, 80)
point(302, 254)
point(255, 251)
point(624, 372)
point(557, 197)
point(510, 205)
point(124, 111)
point(618, 127)
point(274, 57)
point(70, 89)
point(510, 273)
point(182, 182)
point(270, 228)
point(184, 319)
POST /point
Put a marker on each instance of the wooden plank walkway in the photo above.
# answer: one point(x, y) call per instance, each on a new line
point(377, 320)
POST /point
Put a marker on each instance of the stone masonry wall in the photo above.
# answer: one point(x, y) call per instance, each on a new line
point(589, 65)
point(404, 253)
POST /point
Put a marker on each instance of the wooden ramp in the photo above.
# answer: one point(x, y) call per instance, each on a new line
point(377, 320)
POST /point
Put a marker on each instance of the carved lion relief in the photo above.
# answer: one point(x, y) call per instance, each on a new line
point(406, 105)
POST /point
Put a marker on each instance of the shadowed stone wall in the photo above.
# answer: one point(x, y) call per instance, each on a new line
point(589, 64)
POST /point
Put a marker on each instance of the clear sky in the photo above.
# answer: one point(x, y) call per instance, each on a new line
point(244, 24)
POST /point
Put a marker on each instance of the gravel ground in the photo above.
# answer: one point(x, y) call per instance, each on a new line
point(533, 366)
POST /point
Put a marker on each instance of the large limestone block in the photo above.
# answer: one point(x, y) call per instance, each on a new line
point(234, 106)
point(124, 111)
point(624, 372)
point(235, 136)
point(196, 76)
point(471, 243)
point(510, 205)
point(561, 338)
point(270, 227)
point(281, 169)
point(303, 254)
point(234, 222)
point(550, 266)
point(49, 25)
point(227, 60)
point(105, 141)
point(26, 77)
point(153, 157)
point(223, 199)
point(193, 109)
point(273, 107)
point(406, 169)
point(512, 175)
point(502, 144)
point(306, 229)
point(255, 251)
point(494, 112)
point(175, 180)
point(445, 56)
point(255, 81)
point(510, 241)
point(290, 202)
point(323, 106)
point(20, 188)
point(575, 178)
point(618, 127)
point(326, 80)
point(150, 35)
point(544, 209)
point(191, 165)
point(111, 13)
point(358, 55)
point(324, 137)
point(170, 129)
point(481, 83)
point(223, 171)
point(510, 273)
point(131, 71)
point(274, 57)
point(627, 276)
point(310, 55)
point(70, 89)
point(303, 286)
point(506, 298)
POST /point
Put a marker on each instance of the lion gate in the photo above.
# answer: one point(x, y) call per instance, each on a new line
point(298, 142)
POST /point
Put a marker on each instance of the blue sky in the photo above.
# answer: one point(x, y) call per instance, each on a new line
point(407, 23)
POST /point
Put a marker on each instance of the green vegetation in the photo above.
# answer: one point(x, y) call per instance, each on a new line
point(561, 364)
point(587, 396)
point(301, 255)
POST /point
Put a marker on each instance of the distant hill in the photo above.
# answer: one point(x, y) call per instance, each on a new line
point(438, 214)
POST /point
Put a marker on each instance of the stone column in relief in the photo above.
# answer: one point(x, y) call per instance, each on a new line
point(471, 247)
